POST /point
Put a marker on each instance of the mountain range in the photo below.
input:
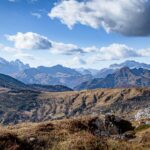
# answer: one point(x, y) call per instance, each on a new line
point(121, 78)
point(77, 78)
point(52, 76)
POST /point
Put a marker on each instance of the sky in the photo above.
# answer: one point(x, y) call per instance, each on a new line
point(75, 33)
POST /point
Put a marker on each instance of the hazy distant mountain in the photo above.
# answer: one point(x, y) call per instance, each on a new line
point(104, 72)
point(12, 67)
point(123, 77)
point(131, 64)
point(60, 75)
point(112, 68)
point(52, 76)
point(84, 71)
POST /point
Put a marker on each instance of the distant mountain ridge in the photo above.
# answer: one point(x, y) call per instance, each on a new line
point(12, 67)
point(130, 64)
point(61, 75)
point(114, 67)
point(122, 78)
point(52, 76)
point(11, 83)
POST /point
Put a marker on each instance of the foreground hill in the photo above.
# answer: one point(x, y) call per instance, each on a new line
point(122, 78)
point(86, 133)
point(28, 105)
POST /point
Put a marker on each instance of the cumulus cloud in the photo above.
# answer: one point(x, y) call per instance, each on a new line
point(34, 41)
point(144, 52)
point(67, 49)
point(29, 40)
point(75, 61)
point(128, 17)
point(116, 52)
point(8, 49)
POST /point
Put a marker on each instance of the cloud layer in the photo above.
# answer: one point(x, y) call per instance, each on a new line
point(127, 17)
point(116, 52)
point(32, 41)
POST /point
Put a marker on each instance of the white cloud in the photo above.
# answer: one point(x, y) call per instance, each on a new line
point(29, 40)
point(116, 52)
point(128, 17)
point(67, 49)
point(8, 49)
point(144, 52)
point(75, 62)
point(36, 14)
point(34, 41)
point(23, 56)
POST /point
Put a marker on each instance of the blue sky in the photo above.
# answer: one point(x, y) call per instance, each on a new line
point(85, 41)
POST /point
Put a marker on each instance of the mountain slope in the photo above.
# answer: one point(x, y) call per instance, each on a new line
point(35, 106)
point(124, 77)
point(114, 67)
point(56, 75)
point(50, 88)
point(9, 82)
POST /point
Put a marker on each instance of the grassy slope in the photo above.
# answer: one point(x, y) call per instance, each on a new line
point(72, 134)
point(26, 105)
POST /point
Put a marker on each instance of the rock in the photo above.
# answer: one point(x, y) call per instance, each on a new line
point(143, 114)
point(128, 135)
point(117, 124)
point(32, 139)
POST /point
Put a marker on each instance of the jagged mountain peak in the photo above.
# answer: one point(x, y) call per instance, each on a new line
point(12, 67)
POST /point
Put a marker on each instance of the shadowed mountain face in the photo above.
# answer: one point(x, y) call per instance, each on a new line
point(11, 83)
point(124, 77)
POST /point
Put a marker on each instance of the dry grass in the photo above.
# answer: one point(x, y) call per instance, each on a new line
point(67, 134)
